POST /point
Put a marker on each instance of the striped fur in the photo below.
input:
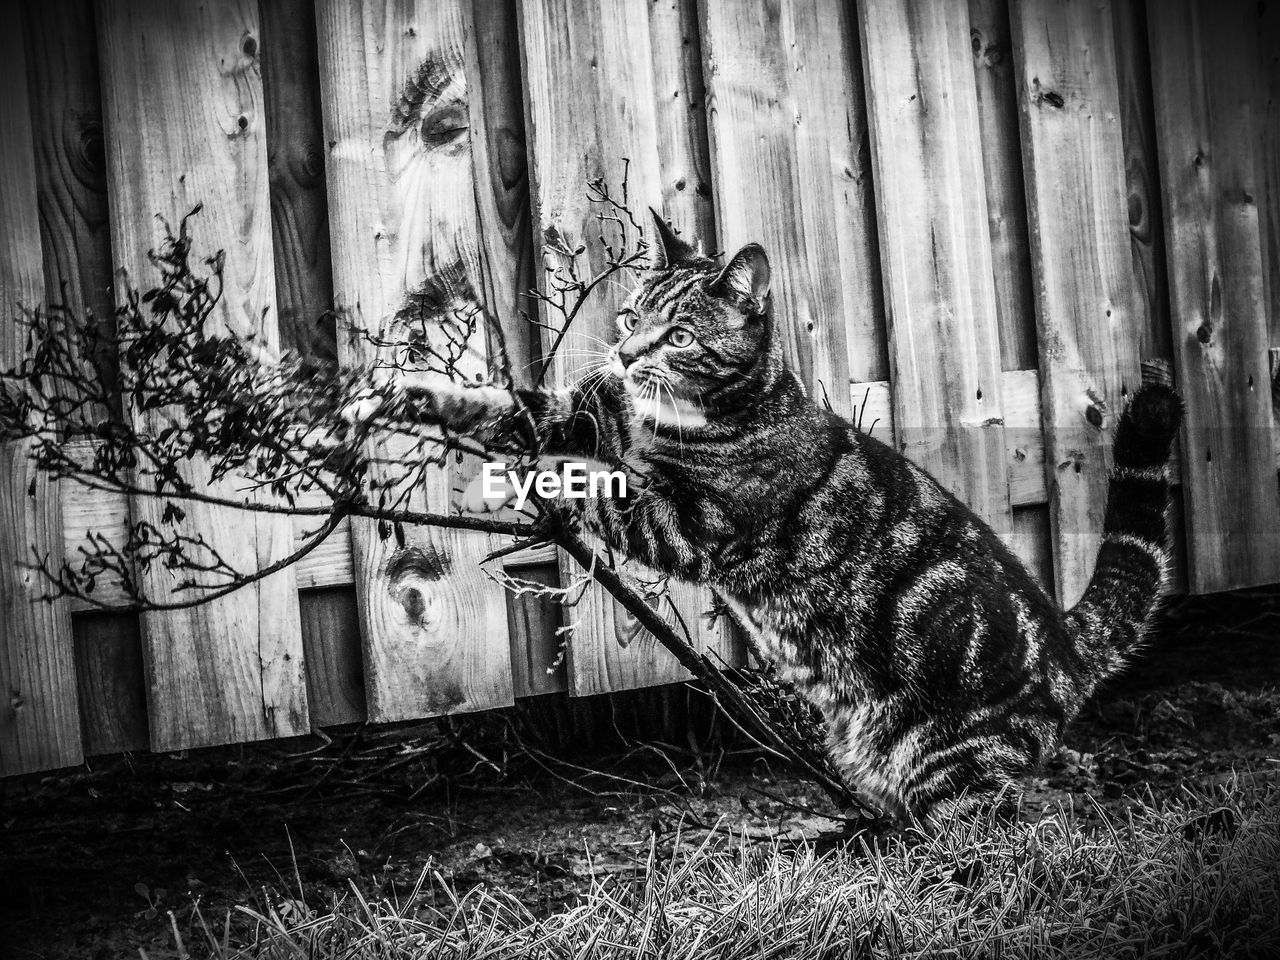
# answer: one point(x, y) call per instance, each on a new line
point(943, 670)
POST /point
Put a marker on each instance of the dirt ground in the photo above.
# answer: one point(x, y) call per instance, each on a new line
point(94, 861)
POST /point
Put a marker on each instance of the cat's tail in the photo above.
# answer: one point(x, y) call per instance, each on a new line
point(1109, 621)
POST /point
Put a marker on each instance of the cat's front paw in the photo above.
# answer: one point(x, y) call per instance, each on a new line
point(487, 494)
point(362, 408)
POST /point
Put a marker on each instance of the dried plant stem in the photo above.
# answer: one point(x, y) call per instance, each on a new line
point(733, 700)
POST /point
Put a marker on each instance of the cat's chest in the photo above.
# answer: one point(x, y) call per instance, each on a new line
point(766, 630)
point(783, 633)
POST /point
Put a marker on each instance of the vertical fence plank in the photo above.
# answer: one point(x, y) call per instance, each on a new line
point(304, 298)
point(404, 233)
point(39, 722)
point(71, 168)
point(502, 175)
point(1269, 153)
point(936, 249)
point(66, 115)
point(589, 78)
point(1142, 176)
point(1089, 317)
point(295, 161)
point(182, 99)
point(1206, 128)
point(502, 198)
point(537, 665)
point(1010, 249)
point(1146, 226)
point(789, 154)
point(683, 150)
point(1268, 94)
point(331, 640)
point(1002, 166)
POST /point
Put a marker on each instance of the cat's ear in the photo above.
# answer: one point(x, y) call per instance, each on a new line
point(667, 250)
point(745, 279)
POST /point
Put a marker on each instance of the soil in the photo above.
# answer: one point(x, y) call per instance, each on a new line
point(109, 858)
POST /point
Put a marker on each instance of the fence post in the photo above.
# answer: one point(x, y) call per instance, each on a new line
point(39, 719)
point(936, 249)
point(404, 225)
point(182, 99)
point(1206, 107)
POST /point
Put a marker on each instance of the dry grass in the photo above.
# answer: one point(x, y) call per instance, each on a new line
point(1198, 875)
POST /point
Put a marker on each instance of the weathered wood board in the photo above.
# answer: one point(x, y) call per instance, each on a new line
point(335, 670)
point(506, 233)
point(66, 116)
point(404, 232)
point(537, 660)
point(935, 248)
point(39, 722)
point(1142, 176)
point(1206, 128)
point(304, 302)
point(295, 164)
point(496, 112)
point(111, 683)
point(592, 112)
point(680, 101)
point(1267, 93)
point(183, 108)
point(1002, 167)
point(790, 160)
point(1088, 313)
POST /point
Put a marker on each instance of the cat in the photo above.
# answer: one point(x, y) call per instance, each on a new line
point(942, 669)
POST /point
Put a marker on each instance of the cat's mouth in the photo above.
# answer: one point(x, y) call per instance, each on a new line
point(658, 400)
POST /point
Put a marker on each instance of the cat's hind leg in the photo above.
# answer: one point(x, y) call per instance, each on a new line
point(975, 777)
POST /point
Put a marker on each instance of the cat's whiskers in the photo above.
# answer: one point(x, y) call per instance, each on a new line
point(679, 422)
point(601, 377)
point(573, 347)
point(577, 355)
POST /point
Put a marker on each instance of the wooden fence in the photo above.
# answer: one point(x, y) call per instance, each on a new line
point(984, 218)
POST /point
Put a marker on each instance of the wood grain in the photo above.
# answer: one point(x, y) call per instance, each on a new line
point(402, 209)
point(304, 305)
point(1206, 126)
point(295, 165)
point(1088, 314)
point(502, 179)
point(1267, 69)
point(537, 661)
point(182, 101)
point(1142, 176)
point(1002, 169)
point(684, 155)
point(790, 159)
point(591, 111)
point(111, 683)
point(506, 231)
point(71, 171)
point(1032, 541)
point(935, 248)
point(331, 642)
point(66, 110)
point(39, 724)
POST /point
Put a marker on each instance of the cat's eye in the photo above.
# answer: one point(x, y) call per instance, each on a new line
point(627, 319)
point(679, 337)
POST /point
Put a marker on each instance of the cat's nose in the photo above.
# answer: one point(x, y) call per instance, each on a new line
point(627, 357)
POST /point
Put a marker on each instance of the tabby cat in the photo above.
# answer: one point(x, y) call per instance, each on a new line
point(941, 667)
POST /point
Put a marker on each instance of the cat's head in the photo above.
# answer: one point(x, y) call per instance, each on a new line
point(692, 331)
